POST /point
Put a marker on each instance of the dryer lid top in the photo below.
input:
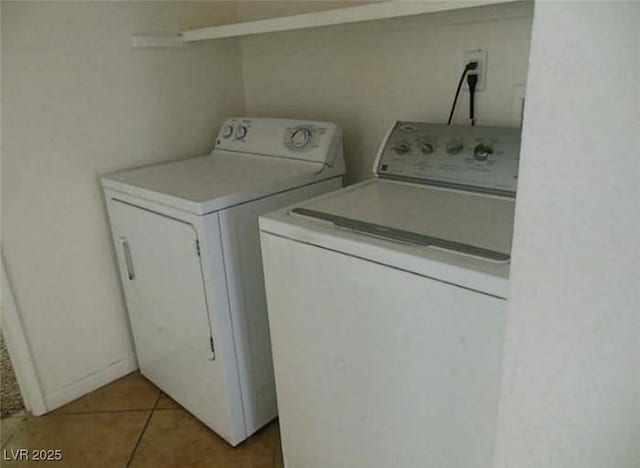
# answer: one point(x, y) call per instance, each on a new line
point(209, 183)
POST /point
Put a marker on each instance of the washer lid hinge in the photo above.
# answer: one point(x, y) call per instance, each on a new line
point(198, 247)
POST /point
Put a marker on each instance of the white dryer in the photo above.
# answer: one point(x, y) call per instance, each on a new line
point(187, 243)
point(387, 304)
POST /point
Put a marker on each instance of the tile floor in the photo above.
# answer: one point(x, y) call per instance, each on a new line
point(131, 423)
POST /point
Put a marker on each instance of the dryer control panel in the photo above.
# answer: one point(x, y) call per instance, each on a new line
point(479, 159)
point(293, 139)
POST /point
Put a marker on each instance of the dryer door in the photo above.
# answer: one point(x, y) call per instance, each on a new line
point(161, 273)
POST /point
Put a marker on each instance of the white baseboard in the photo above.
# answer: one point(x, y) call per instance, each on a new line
point(19, 350)
point(90, 383)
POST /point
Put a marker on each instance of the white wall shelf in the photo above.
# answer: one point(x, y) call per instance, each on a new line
point(354, 14)
point(152, 42)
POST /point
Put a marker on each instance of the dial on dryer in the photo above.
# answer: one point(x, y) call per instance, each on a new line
point(301, 137)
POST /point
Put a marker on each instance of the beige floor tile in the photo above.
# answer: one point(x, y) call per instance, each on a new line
point(166, 402)
point(132, 392)
point(86, 440)
point(174, 438)
point(9, 425)
point(278, 461)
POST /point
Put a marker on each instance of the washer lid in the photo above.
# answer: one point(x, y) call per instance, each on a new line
point(359, 202)
point(209, 183)
point(458, 221)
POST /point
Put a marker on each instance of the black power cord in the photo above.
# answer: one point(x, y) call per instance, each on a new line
point(472, 81)
point(468, 66)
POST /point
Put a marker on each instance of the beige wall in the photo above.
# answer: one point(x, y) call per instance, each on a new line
point(78, 102)
point(364, 76)
point(171, 17)
point(571, 384)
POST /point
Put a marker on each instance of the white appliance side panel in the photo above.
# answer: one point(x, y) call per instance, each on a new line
point(243, 262)
point(168, 310)
point(377, 367)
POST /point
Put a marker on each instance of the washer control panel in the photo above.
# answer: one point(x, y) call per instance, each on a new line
point(482, 159)
point(294, 139)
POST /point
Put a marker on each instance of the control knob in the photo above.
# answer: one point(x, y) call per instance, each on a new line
point(300, 137)
point(426, 147)
point(454, 147)
point(227, 131)
point(402, 148)
point(482, 151)
point(241, 132)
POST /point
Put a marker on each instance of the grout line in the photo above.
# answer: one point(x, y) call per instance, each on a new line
point(80, 413)
point(24, 418)
point(146, 424)
point(155, 405)
point(6, 442)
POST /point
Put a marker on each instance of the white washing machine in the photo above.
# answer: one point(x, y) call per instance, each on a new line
point(387, 305)
point(187, 244)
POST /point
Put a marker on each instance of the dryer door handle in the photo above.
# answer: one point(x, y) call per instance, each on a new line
point(126, 250)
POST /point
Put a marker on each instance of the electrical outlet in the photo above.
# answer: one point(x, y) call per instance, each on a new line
point(480, 56)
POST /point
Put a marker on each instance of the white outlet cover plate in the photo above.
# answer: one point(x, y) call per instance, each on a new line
point(479, 55)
